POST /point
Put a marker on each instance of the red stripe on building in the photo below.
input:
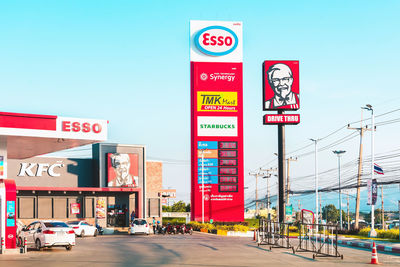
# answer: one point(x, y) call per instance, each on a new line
point(75, 189)
point(28, 121)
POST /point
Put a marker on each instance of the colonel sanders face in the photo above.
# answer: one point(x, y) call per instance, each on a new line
point(121, 163)
point(281, 79)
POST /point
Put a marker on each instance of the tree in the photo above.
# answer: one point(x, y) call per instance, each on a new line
point(179, 206)
point(330, 213)
point(378, 216)
point(188, 207)
point(166, 208)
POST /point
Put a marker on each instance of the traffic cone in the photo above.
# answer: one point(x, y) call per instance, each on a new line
point(374, 259)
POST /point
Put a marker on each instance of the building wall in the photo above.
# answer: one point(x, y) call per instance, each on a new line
point(154, 186)
point(68, 172)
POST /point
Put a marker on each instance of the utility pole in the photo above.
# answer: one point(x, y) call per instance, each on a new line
point(372, 233)
point(361, 131)
point(268, 175)
point(256, 174)
point(383, 210)
point(348, 213)
point(287, 178)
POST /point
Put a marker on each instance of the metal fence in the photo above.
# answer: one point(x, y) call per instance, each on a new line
point(320, 239)
point(274, 234)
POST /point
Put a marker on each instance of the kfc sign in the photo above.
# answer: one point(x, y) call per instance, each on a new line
point(216, 41)
point(37, 169)
point(281, 85)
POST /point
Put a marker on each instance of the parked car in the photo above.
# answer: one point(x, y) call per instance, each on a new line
point(42, 234)
point(139, 226)
point(82, 228)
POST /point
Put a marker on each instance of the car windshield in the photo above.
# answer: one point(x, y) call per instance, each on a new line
point(73, 222)
point(141, 222)
point(55, 224)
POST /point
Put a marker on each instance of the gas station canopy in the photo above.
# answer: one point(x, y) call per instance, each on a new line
point(28, 135)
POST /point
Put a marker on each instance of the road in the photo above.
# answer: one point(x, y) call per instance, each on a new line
point(182, 250)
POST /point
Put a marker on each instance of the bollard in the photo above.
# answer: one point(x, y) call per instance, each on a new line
point(25, 245)
point(2, 246)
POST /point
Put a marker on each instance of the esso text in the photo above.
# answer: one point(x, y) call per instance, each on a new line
point(85, 127)
point(216, 40)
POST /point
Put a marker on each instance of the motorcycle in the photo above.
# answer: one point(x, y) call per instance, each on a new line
point(188, 230)
point(171, 229)
point(99, 229)
point(180, 229)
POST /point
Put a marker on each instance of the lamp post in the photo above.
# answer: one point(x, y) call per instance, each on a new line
point(372, 233)
point(316, 178)
point(339, 153)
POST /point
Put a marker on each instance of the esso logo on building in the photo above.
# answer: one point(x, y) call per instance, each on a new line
point(216, 41)
point(85, 127)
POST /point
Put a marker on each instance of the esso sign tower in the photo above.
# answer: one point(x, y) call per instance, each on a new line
point(216, 41)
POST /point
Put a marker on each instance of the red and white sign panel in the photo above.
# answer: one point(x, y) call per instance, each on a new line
point(281, 119)
point(75, 208)
point(123, 170)
point(281, 85)
point(32, 125)
point(216, 41)
point(217, 121)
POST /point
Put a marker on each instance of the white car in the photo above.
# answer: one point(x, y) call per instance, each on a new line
point(42, 234)
point(139, 226)
point(82, 228)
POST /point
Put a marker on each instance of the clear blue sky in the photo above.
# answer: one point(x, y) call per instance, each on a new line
point(128, 62)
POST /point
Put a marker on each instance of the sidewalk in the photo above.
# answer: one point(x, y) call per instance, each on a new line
point(367, 243)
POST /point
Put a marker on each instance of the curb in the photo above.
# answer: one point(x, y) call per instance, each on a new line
point(395, 250)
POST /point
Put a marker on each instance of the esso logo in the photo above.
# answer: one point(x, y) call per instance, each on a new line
point(216, 41)
point(85, 127)
point(10, 236)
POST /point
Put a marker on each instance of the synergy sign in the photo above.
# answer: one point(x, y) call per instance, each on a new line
point(216, 101)
point(217, 121)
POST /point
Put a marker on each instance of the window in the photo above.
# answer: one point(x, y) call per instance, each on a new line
point(55, 224)
point(26, 207)
point(45, 208)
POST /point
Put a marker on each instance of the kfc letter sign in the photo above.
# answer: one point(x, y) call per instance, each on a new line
point(216, 40)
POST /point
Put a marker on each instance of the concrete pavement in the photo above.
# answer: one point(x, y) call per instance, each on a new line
point(183, 250)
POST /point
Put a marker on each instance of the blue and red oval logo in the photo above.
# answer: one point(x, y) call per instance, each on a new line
point(216, 41)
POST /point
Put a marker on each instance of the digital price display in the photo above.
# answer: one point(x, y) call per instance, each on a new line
point(228, 171)
point(228, 162)
point(228, 188)
point(228, 179)
point(227, 154)
point(227, 145)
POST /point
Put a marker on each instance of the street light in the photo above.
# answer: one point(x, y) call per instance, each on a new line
point(316, 178)
point(372, 233)
point(339, 153)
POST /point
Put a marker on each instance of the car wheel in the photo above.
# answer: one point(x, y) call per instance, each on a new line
point(38, 245)
point(95, 233)
point(69, 247)
point(82, 233)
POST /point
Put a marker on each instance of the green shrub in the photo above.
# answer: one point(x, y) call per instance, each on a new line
point(364, 231)
point(174, 220)
point(240, 228)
